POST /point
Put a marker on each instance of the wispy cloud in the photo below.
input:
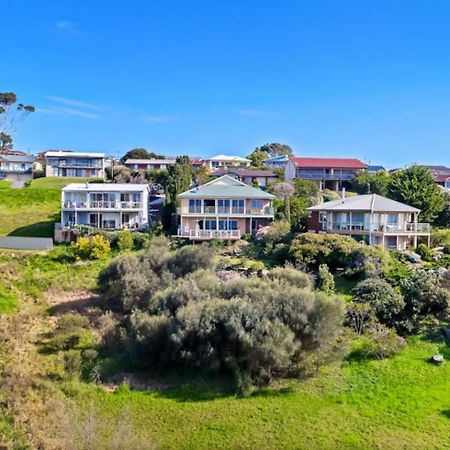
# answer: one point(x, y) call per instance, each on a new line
point(252, 112)
point(64, 111)
point(72, 103)
point(146, 118)
point(67, 27)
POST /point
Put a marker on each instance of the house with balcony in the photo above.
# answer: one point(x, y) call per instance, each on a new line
point(149, 164)
point(103, 205)
point(16, 164)
point(74, 164)
point(276, 162)
point(224, 208)
point(253, 177)
point(328, 173)
point(441, 175)
point(374, 219)
point(220, 161)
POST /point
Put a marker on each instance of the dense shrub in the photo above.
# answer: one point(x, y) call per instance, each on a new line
point(358, 316)
point(324, 279)
point(125, 240)
point(367, 261)
point(140, 240)
point(425, 252)
point(384, 300)
point(94, 247)
point(185, 316)
point(278, 232)
point(71, 333)
point(382, 342)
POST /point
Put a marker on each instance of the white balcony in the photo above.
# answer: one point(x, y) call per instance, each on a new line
point(387, 228)
point(102, 205)
point(199, 235)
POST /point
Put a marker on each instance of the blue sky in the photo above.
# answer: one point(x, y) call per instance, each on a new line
point(330, 78)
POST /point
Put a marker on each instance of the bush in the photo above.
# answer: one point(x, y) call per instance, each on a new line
point(384, 300)
point(358, 316)
point(177, 312)
point(125, 240)
point(95, 247)
point(277, 233)
point(382, 342)
point(324, 280)
point(72, 363)
point(71, 333)
point(140, 240)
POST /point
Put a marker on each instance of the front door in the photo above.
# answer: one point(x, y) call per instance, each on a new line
point(95, 220)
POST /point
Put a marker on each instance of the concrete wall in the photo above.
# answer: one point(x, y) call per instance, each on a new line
point(26, 243)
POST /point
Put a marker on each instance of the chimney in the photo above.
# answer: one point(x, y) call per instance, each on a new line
point(343, 195)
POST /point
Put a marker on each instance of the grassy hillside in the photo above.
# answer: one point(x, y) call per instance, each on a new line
point(398, 403)
point(33, 210)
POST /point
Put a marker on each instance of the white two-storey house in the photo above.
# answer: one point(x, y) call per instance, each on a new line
point(99, 205)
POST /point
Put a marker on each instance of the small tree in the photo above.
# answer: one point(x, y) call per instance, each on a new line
point(285, 191)
point(325, 280)
point(125, 240)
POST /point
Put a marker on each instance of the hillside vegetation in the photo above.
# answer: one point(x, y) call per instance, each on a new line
point(32, 210)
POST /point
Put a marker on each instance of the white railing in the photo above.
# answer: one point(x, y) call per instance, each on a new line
point(222, 211)
point(209, 234)
point(377, 227)
point(102, 205)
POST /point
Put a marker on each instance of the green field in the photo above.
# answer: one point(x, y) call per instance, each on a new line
point(33, 210)
point(4, 184)
point(399, 403)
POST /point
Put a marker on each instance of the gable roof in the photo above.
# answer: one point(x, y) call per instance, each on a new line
point(150, 161)
point(367, 203)
point(332, 163)
point(242, 172)
point(64, 153)
point(225, 187)
point(229, 158)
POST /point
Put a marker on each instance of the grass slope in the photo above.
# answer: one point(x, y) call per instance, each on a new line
point(33, 210)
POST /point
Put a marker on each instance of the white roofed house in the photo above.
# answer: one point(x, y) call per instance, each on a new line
point(60, 163)
point(219, 161)
point(149, 164)
point(101, 205)
point(224, 208)
point(375, 219)
point(16, 164)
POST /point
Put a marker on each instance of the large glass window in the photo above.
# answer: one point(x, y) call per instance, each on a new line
point(238, 207)
point(228, 224)
point(257, 204)
point(210, 224)
point(195, 206)
point(224, 206)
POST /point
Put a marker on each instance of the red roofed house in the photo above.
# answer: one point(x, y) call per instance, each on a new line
point(328, 173)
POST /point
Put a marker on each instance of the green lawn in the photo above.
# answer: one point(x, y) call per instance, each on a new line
point(4, 184)
point(33, 210)
point(56, 182)
point(400, 403)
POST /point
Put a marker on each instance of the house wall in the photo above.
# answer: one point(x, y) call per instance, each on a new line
point(247, 205)
point(289, 173)
point(313, 222)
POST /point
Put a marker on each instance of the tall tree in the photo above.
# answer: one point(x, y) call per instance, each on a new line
point(179, 179)
point(11, 117)
point(285, 191)
point(140, 153)
point(415, 186)
point(257, 158)
point(276, 149)
point(371, 183)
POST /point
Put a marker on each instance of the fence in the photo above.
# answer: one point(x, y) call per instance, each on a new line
point(26, 243)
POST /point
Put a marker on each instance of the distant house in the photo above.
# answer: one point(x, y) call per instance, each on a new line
point(16, 164)
point(74, 164)
point(328, 173)
point(101, 205)
point(219, 161)
point(276, 162)
point(375, 169)
point(149, 164)
point(372, 218)
point(224, 208)
point(441, 175)
point(247, 176)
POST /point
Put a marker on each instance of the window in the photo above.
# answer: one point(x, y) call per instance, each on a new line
point(257, 204)
point(210, 225)
point(228, 224)
point(322, 217)
point(224, 206)
point(195, 206)
point(238, 207)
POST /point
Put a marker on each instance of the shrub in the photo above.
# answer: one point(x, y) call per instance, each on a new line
point(384, 300)
point(358, 316)
point(95, 247)
point(125, 240)
point(72, 363)
point(277, 233)
point(291, 276)
point(425, 252)
point(140, 240)
point(324, 280)
point(382, 342)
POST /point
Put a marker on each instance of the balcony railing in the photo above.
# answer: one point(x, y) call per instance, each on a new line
point(223, 211)
point(321, 175)
point(209, 234)
point(377, 227)
point(102, 205)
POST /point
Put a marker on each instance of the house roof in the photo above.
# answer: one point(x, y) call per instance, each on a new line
point(62, 153)
point(375, 168)
point(106, 187)
point(332, 163)
point(242, 172)
point(225, 187)
point(281, 158)
point(150, 161)
point(229, 158)
point(368, 203)
point(441, 177)
point(18, 158)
